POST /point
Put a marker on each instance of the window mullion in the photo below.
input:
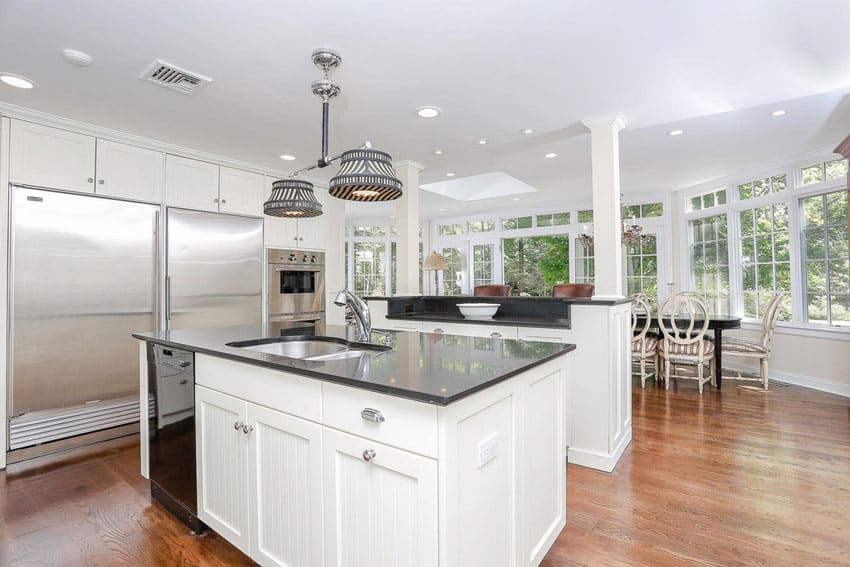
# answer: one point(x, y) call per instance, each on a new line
point(798, 273)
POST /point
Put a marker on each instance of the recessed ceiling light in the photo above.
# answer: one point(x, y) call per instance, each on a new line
point(450, 174)
point(482, 141)
point(675, 132)
point(551, 155)
point(76, 58)
point(428, 112)
point(287, 157)
point(778, 113)
point(442, 210)
point(438, 151)
point(17, 81)
point(527, 131)
point(516, 198)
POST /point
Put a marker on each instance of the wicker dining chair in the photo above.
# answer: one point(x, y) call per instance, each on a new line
point(758, 349)
point(685, 323)
point(644, 345)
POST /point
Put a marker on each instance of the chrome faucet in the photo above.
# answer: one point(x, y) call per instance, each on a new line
point(360, 310)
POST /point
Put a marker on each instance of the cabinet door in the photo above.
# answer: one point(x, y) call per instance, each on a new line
point(50, 157)
point(378, 512)
point(311, 231)
point(191, 184)
point(222, 455)
point(285, 472)
point(129, 172)
point(241, 192)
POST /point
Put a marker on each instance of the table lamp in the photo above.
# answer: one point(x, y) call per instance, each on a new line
point(434, 263)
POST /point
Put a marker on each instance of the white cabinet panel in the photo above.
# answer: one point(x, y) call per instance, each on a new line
point(51, 157)
point(280, 232)
point(191, 184)
point(311, 231)
point(545, 335)
point(222, 455)
point(285, 472)
point(306, 233)
point(378, 512)
point(241, 192)
point(129, 172)
point(492, 331)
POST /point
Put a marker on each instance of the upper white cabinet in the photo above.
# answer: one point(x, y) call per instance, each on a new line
point(129, 172)
point(307, 233)
point(51, 157)
point(191, 184)
point(241, 192)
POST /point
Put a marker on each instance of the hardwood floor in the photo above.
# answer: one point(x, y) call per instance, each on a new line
point(733, 478)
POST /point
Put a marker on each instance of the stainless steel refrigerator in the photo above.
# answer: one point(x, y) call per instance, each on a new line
point(214, 273)
point(83, 277)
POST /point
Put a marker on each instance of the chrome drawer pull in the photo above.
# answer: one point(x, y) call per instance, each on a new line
point(496, 335)
point(369, 454)
point(370, 414)
point(439, 330)
point(246, 429)
point(238, 425)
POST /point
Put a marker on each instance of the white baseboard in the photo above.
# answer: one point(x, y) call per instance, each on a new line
point(600, 461)
point(796, 379)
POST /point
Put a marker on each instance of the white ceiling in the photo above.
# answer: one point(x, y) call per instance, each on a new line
point(713, 69)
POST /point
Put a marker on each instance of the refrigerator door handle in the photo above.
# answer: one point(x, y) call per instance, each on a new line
point(168, 298)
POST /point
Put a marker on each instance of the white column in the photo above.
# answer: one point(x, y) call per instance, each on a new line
point(407, 221)
point(607, 228)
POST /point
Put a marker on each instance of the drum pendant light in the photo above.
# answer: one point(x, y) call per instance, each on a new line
point(365, 174)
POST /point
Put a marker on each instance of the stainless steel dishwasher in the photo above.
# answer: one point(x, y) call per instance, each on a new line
point(171, 419)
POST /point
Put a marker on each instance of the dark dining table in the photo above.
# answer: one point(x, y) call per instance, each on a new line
point(716, 323)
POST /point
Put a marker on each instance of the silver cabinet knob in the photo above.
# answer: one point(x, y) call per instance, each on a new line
point(370, 414)
point(100, 181)
point(301, 238)
point(496, 335)
point(223, 201)
point(369, 454)
point(238, 425)
point(184, 381)
point(90, 180)
point(439, 330)
point(215, 200)
point(246, 429)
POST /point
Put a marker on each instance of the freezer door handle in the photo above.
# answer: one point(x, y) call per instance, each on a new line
point(168, 298)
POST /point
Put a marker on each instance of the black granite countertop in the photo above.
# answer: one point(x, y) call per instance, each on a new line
point(513, 298)
point(437, 369)
point(513, 320)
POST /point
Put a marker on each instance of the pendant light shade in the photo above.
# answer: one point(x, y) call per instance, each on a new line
point(365, 175)
point(292, 198)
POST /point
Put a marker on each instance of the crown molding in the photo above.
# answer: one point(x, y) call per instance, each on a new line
point(46, 119)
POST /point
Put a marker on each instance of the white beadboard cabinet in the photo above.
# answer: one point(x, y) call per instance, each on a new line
point(307, 233)
point(191, 184)
point(51, 157)
point(129, 172)
point(241, 192)
point(323, 485)
point(378, 512)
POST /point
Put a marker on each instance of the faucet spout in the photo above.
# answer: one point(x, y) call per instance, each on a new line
point(360, 310)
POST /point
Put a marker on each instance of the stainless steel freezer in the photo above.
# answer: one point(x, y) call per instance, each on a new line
point(83, 278)
point(214, 273)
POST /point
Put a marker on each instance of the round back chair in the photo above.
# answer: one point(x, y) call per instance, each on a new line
point(683, 319)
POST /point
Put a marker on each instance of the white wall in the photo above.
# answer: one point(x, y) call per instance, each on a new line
point(4, 268)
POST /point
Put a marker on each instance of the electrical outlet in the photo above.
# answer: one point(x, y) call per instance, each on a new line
point(488, 448)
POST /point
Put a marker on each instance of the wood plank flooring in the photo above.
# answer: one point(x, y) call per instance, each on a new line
point(737, 477)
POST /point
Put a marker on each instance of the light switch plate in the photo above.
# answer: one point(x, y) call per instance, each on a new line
point(488, 448)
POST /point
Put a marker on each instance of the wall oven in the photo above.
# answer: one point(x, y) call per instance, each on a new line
point(296, 285)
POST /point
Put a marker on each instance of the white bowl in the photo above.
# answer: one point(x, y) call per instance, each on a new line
point(478, 311)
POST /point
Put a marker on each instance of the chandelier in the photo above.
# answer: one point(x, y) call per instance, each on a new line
point(364, 174)
point(632, 232)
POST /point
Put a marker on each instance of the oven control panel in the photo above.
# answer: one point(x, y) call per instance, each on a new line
point(295, 257)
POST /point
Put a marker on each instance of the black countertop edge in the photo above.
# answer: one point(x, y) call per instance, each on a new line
point(570, 300)
point(359, 384)
point(456, 318)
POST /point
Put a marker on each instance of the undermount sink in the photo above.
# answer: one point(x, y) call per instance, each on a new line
point(308, 348)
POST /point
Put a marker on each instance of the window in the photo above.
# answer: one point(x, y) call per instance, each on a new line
point(585, 263)
point(643, 211)
point(482, 264)
point(585, 215)
point(554, 219)
point(369, 268)
point(642, 266)
point(709, 199)
point(825, 258)
point(481, 226)
point(765, 259)
point(761, 187)
point(709, 260)
point(532, 265)
point(373, 231)
point(825, 171)
point(451, 229)
point(452, 277)
point(516, 223)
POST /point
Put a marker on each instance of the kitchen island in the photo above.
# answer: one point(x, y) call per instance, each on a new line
point(406, 449)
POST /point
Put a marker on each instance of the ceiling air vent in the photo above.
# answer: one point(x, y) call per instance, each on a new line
point(174, 78)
